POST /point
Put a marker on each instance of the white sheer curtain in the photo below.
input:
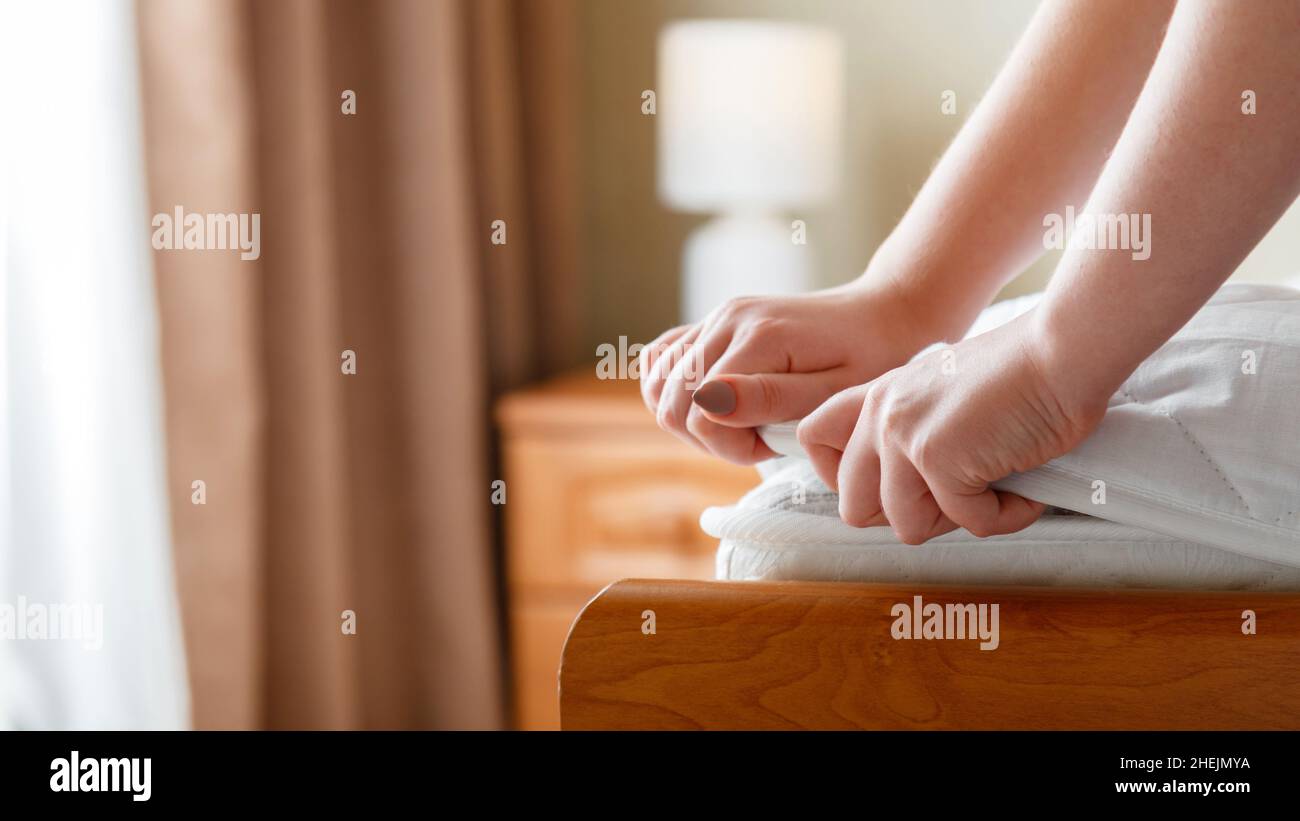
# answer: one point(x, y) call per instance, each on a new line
point(83, 507)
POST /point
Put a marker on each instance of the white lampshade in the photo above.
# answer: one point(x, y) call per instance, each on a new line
point(749, 114)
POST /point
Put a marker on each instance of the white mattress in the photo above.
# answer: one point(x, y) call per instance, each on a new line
point(788, 528)
point(1201, 463)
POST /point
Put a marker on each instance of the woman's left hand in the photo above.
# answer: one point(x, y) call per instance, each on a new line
point(918, 447)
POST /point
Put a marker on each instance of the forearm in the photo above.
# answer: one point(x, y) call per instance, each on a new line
point(1212, 178)
point(1035, 143)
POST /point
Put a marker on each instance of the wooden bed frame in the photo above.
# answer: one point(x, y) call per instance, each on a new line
point(669, 654)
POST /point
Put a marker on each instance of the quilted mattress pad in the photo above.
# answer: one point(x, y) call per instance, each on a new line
point(1192, 479)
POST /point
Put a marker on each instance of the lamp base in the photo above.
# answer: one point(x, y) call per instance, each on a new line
point(741, 255)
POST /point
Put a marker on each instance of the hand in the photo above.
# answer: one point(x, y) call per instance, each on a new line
point(918, 447)
point(758, 360)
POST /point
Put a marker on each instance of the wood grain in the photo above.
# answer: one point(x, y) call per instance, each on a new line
point(790, 655)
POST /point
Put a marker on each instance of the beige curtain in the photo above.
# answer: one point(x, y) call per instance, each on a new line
point(328, 492)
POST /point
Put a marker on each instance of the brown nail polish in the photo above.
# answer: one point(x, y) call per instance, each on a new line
point(715, 397)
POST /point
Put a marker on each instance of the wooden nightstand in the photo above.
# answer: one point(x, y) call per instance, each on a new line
point(595, 492)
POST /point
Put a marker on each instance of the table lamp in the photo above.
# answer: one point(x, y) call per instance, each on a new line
point(749, 116)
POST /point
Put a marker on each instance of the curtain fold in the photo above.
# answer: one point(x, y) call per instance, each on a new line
point(196, 87)
point(328, 491)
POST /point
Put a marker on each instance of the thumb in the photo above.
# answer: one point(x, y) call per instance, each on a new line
point(748, 400)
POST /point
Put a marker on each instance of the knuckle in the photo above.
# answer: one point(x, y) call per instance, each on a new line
point(924, 455)
point(691, 369)
point(854, 518)
point(896, 422)
point(675, 361)
point(649, 374)
point(651, 387)
point(667, 418)
point(980, 527)
point(768, 394)
point(758, 329)
point(658, 368)
point(895, 428)
point(887, 422)
point(854, 514)
point(806, 433)
point(737, 305)
point(909, 534)
point(873, 398)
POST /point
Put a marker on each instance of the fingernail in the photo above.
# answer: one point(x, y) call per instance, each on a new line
point(715, 397)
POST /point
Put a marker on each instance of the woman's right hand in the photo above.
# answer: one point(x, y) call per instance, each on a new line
point(759, 360)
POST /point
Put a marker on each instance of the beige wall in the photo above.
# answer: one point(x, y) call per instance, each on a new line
point(901, 55)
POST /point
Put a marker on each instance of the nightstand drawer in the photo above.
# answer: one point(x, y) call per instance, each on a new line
point(595, 492)
point(589, 511)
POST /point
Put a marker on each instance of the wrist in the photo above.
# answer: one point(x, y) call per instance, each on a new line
point(921, 305)
point(1077, 371)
